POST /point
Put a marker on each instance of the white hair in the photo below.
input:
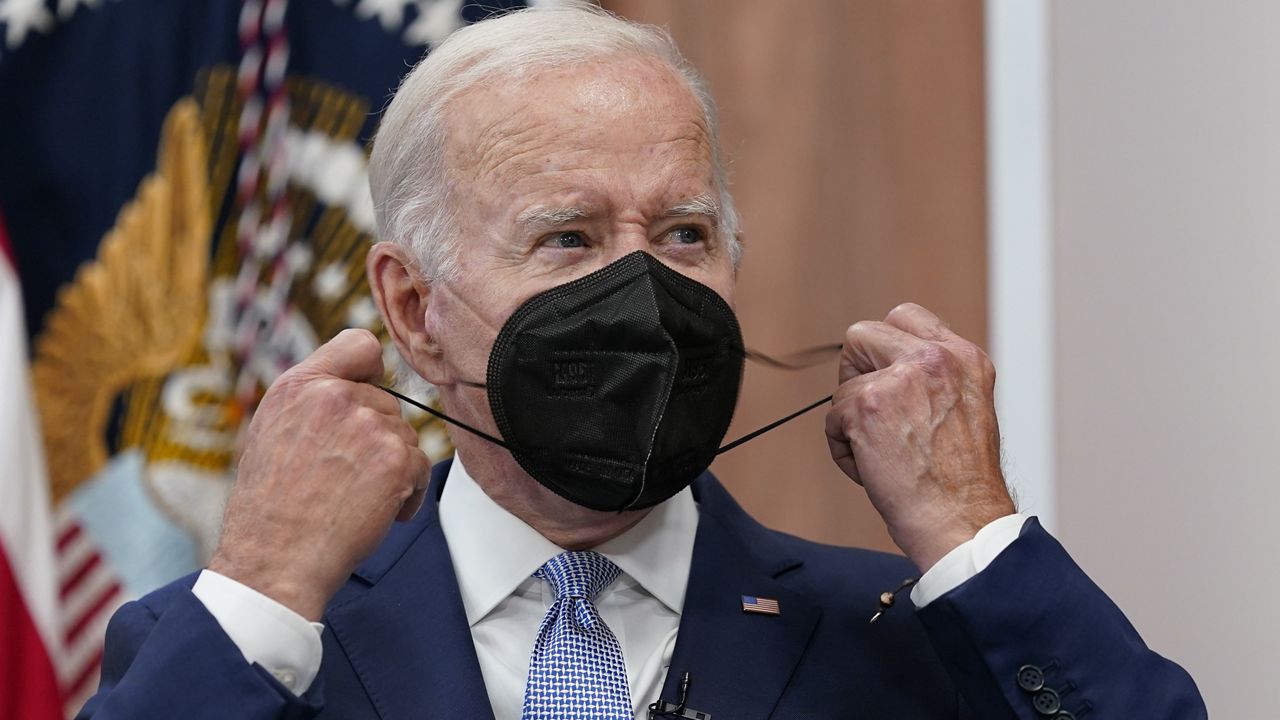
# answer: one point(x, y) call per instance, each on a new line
point(408, 176)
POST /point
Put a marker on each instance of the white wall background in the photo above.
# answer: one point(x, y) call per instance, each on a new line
point(1164, 175)
point(1020, 272)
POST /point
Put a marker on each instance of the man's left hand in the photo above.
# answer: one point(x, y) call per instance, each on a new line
point(914, 422)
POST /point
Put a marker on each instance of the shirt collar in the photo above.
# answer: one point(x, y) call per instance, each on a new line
point(493, 551)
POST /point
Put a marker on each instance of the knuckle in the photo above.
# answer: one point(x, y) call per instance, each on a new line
point(871, 400)
point(976, 362)
point(936, 360)
point(329, 397)
point(323, 384)
point(986, 368)
point(844, 416)
point(408, 435)
point(862, 327)
point(842, 427)
point(907, 372)
point(844, 392)
point(901, 309)
point(390, 447)
point(415, 441)
point(366, 419)
point(838, 418)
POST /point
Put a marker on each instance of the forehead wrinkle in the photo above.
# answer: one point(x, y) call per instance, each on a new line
point(515, 151)
point(501, 144)
point(512, 145)
point(510, 140)
point(488, 128)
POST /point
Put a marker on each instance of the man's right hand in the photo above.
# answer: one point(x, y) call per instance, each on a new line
point(328, 465)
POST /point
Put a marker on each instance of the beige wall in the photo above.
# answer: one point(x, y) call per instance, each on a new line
point(856, 132)
point(1166, 176)
point(855, 129)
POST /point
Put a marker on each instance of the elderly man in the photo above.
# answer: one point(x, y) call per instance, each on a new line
point(559, 261)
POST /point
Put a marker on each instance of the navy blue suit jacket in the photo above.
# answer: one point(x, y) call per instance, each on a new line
point(397, 644)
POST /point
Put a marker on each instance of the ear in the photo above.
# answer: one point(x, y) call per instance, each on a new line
point(403, 296)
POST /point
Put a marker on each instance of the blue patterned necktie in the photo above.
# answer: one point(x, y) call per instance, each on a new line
point(576, 671)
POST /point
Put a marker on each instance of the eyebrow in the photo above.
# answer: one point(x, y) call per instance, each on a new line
point(697, 205)
point(541, 217)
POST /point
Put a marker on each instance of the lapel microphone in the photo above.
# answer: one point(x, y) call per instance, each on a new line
point(889, 597)
point(662, 708)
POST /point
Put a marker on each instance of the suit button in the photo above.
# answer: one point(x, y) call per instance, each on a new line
point(1047, 702)
point(1064, 715)
point(1030, 678)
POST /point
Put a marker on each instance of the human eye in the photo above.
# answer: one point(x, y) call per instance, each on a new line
point(568, 240)
point(687, 235)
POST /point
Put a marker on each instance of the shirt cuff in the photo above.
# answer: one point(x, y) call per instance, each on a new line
point(967, 559)
point(267, 633)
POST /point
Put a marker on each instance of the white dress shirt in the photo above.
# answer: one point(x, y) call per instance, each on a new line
point(494, 556)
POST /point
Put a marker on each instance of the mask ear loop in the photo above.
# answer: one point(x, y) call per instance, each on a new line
point(756, 433)
point(446, 418)
point(800, 360)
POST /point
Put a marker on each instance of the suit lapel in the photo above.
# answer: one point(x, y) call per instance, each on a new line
point(402, 625)
point(739, 663)
point(401, 622)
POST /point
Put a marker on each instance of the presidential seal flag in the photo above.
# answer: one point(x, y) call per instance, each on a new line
point(188, 211)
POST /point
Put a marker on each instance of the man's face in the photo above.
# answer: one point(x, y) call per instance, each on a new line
point(557, 176)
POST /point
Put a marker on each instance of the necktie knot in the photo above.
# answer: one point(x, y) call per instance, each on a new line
point(578, 574)
point(576, 670)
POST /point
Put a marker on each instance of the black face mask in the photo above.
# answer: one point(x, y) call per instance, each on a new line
point(615, 390)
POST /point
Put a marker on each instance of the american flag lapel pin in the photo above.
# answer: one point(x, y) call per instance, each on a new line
point(760, 605)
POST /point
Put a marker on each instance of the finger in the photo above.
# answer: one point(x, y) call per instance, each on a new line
point(918, 321)
point(405, 431)
point(848, 405)
point(838, 444)
point(422, 478)
point(353, 354)
point(855, 385)
point(411, 506)
point(871, 346)
point(395, 425)
point(375, 398)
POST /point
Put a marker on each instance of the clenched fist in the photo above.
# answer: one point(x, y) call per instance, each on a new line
point(914, 422)
point(328, 465)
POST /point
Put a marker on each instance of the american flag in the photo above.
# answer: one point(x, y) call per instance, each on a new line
point(761, 605)
point(89, 592)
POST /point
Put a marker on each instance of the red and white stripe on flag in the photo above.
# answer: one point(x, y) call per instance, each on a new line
point(29, 608)
point(89, 592)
